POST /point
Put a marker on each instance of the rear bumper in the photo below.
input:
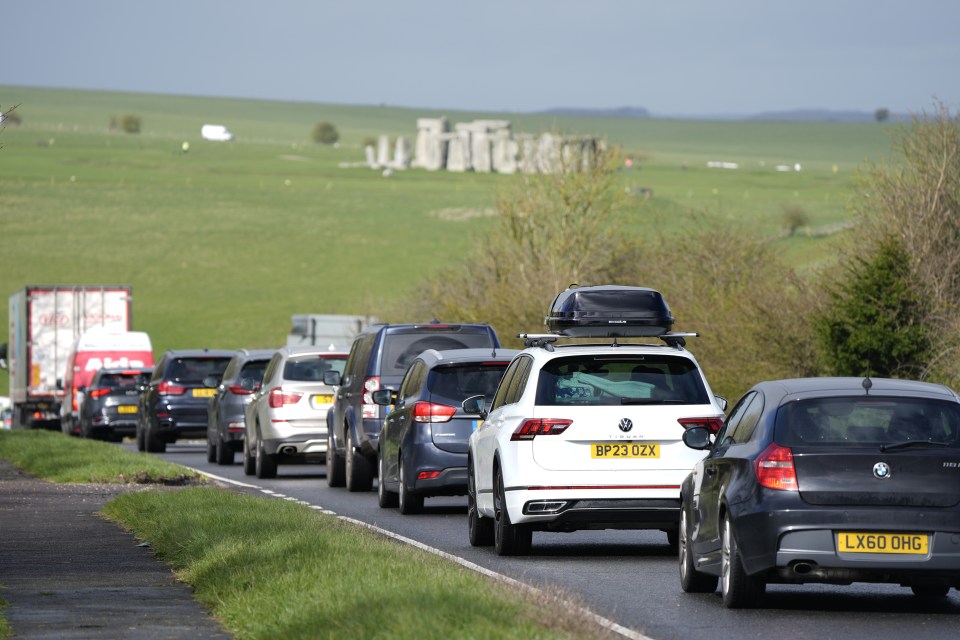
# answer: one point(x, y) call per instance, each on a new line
point(605, 508)
point(800, 545)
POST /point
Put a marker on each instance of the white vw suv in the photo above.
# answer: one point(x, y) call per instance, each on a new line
point(586, 436)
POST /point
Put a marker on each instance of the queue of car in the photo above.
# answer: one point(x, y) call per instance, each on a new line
point(604, 422)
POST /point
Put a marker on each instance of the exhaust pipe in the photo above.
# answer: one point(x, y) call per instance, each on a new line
point(802, 568)
point(288, 450)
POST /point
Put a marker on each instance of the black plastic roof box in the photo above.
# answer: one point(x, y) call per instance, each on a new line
point(609, 311)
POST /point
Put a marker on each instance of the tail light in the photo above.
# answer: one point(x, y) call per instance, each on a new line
point(369, 409)
point(169, 389)
point(432, 412)
point(98, 393)
point(775, 469)
point(534, 427)
point(76, 406)
point(238, 390)
point(428, 475)
point(713, 424)
point(278, 398)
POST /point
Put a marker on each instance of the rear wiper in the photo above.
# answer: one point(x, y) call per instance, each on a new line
point(906, 444)
point(650, 401)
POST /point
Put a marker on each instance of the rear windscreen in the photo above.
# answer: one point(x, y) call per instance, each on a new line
point(604, 380)
point(867, 421)
point(194, 370)
point(120, 380)
point(454, 384)
point(311, 368)
point(253, 371)
point(400, 349)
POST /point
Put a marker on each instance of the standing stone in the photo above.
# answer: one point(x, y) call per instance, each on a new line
point(383, 150)
point(401, 153)
point(371, 156)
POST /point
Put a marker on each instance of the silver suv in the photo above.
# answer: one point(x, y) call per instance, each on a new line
point(287, 419)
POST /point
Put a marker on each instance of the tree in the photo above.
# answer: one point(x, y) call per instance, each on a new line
point(917, 202)
point(325, 133)
point(876, 320)
point(881, 115)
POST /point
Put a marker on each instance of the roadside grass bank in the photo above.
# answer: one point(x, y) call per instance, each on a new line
point(5, 631)
point(61, 458)
point(270, 568)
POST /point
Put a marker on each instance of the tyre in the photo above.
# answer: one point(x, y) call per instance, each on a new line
point(249, 463)
point(410, 503)
point(223, 453)
point(508, 539)
point(152, 442)
point(386, 499)
point(266, 463)
point(479, 529)
point(740, 591)
point(673, 539)
point(336, 476)
point(691, 580)
point(211, 450)
point(359, 475)
point(930, 590)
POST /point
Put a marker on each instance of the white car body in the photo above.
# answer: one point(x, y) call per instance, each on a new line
point(555, 482)
point(287, 417)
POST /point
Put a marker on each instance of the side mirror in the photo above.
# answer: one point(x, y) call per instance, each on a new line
point(474, 406)
point(384, 397)
point(722, 402)
point(697, 438)
point(331, 378)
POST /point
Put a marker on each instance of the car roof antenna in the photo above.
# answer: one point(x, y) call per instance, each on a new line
point(867, 383)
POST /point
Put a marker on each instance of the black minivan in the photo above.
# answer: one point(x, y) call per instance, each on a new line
point(379, 357)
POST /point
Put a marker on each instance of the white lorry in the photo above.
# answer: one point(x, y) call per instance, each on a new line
point(45, 322)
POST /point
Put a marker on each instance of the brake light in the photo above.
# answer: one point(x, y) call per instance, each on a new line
point(238, 390)
point(533, 427)
point(428, 475)
point(775, 468)
point(76, 406)
point(713, 424)
point(432, 412)
point(369, 409)
point(97, 393)
point(169, 389)
point(278, 398)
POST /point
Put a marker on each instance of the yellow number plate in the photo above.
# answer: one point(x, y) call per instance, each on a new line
point(902, 543)
point(127, 408)
point(204, 393)
point(324, 399)
point(625, 450)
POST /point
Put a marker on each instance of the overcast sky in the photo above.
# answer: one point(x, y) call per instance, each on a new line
point(672, 57)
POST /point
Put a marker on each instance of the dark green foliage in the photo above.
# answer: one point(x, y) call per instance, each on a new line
point(325, 133)
point(128, 123)
point(882, 114)
point(875, 320)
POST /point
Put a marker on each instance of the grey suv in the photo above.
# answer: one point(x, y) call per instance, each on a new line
point(225, 416)
point(379, 357)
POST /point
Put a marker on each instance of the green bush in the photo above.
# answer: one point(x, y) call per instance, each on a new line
point(325, 133)
point(128, 123)
point(875, 322)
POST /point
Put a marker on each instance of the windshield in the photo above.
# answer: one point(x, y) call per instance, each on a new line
point(311, 368)
point(195, 370)
point(867, 421)
point(592, 380)
point(453, 384)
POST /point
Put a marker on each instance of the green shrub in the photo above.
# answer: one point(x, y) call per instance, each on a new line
point(128, 123)
point(325, 133)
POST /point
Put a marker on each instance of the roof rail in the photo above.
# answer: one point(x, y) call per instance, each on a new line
point(546, 340)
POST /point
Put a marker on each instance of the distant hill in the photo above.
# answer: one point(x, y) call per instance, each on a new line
point(795, 115)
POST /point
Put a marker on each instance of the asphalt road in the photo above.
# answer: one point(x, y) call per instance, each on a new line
point(629, 577)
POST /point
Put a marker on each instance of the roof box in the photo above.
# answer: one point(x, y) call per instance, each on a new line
point(609, 311)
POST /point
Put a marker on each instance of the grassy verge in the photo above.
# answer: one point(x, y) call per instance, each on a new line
point(269, 568)
point(5, 631)
point(61, 458)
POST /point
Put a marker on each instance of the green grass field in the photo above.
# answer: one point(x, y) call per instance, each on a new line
point(224, 242)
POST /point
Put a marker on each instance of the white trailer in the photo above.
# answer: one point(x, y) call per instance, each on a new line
point(45, 322)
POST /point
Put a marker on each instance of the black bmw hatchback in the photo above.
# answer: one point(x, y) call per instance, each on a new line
point(831, 480)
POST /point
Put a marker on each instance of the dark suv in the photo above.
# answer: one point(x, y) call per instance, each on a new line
point(225, 415)
point(379, 357)
point(109, 409)
point(174, 403)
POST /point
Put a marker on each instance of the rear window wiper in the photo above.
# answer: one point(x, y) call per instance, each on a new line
point(907, 444)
